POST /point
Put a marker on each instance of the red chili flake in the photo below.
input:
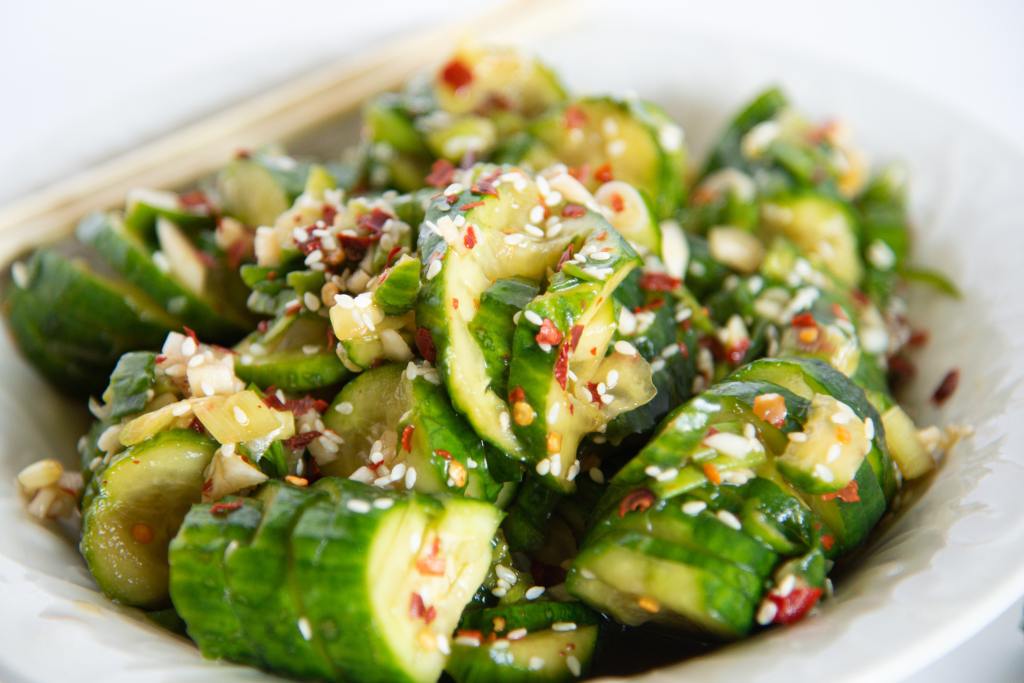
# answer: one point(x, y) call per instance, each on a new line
point(839, 313)
point(795, 606)
point(220, 509)
point(804, 320)
point(580, 172)
point(946, 387)
point(684, 349)
point(595, 395)
point(636, 500)
point(441, 174)
point(575, 117)
point(271, 400)
point(901, 370)
point(425, 344)
point(566, 255)
point(160, 358)
point(827, 541)
point(659, 282)
point(469, 239)
point(860, 297)
point(432, 564)
point(562, 366)
point(471, 205)
point(574, 336)
point(271, 275)
point(618, 203)
point(395, 250)
point(735, 352)
point(516, 395)
point(196, 426)
point(301, 406)
point(603, 173)
point(485, 186)
point(455, 303)
point(195, 198)
point(456, 74)
point(300, 441)
point(443, 453)
point(548, 334)
point(416, 607)
point(293, 308)
point(593, 350)
point(207, 485)
point(262, 326)
point(712, 473)
point(464, 633)
point(407, 438)
point(430, 615)
point(191, 333)
point(918, 338)
point(573, 211)
point(847, 494)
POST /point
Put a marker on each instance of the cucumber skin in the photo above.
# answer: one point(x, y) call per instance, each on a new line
point(74, 325)
point(198, 573)
point(132, 260)
point(263, 590)
point(397, 293)
point(493, 326)
point(294, 372)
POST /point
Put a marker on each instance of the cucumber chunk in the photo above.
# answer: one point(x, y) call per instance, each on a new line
point(292, 355)
point(199, 554)
point(140, 502)
point(383, 583)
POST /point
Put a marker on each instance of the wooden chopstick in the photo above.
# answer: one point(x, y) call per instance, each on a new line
point(277, 115)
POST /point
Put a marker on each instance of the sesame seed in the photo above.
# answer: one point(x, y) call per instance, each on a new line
point(574, 665)
point(433, 269)
point(345, 408)
point(625, 348)
point(824, 473)
point(311, 300)
point(383, 503)
point(310, 349)
point(181, 408)
point(19, 273)
point(357, 505)
point(535, 664)
point(833, 453)
point(668, 475)
point(206, 388)
point(345, 301)
point(305, 628)
point(574, 470)
point(543, 467)
point(534, 318)
point(506, 574)
point(694, 507)
point(562, 626)
point(612, 379)
point(652, 470)
point(240, 416)
point(556, 465)
point(554, 230)
point(786, 586)
point(766, 613)
point(534, 592)
point(797, 437)
point(601, 256)
point(442, 644)
point(553, 411)
point(533, 230)
point(398, 472)
point(410, 477)
point(869, 429)
point(517, 634)
point(499, 592)
point(729, 519)
point(188, 347)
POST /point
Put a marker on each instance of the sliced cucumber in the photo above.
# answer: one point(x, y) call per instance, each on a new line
point(292, 355)
point(143, 207)
point(131, 383)
point(383, 583)
point(140, 502)
point(400, 431)
point(259, 188)
point(628, 212)
point(906, 447)
point(199, 556)
point(622, 139)
point(264, 591)
point(398, 286)
point(488, 79)
point(181, 290)
point(536, 641)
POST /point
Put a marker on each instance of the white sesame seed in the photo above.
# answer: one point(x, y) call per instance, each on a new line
point(766, 613)
point(786, 586)
point(543, 467)
point(517, 634)
point(514, 240)
point(574, 470)
point(188, 347)
point(562, 626)
point(506, 574)
point(533, 230)
point(694, 507)
point(625, 348)
point(19, 273)
point(398, 472)
point(554, 230)
point(311, 300)
point(556, 465)
point(553, 411)
point(729, 519)
point(240, 416)
point(840, 417)
point(505, 420)
point(345, 408)
point(823, 473)
point(499, 592)
point(442, 644)
point(574, 665)
point(797, 437)
point(833, 453)
point(534, 318)
point(305, 628)
point(535, 664)
point(869, 429)
point(410, 477)
point(310, 349)
point(612, 379)
point(357, 505)
point(534, 592)
point(433, 269)
point(652, 470)
point(383, 503)
point(668, 475)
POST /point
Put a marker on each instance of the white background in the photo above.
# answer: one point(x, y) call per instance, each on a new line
point(81, 81)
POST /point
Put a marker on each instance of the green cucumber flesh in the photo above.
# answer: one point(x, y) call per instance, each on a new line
point(293, 356)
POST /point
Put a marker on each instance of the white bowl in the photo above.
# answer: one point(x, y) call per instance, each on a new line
point(947, 565)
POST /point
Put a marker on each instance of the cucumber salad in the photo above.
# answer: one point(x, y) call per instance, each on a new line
point(512, 390)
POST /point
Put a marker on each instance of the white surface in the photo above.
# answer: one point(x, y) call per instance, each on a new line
point(93, 78)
